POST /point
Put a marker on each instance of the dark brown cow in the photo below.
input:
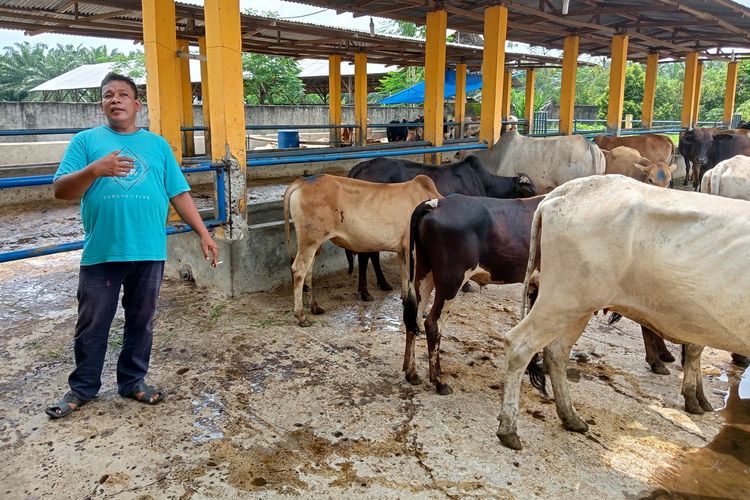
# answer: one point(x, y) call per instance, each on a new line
point(468, 177)
point(709, 146)
point(453, 240)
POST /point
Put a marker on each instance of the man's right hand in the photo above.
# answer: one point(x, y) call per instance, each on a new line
point(112, 165)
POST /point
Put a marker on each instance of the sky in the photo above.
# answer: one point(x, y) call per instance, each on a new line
point(286, 10)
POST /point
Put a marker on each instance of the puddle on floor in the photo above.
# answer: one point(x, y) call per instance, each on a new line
point(210, 412)
point(721, 469)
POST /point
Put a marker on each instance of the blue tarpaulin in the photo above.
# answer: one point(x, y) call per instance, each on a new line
point(415, 93)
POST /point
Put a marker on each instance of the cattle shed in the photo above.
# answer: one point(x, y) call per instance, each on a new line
point(653, 30)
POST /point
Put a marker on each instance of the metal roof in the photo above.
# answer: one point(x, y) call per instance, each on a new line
point(123, 19)
point(673, 27)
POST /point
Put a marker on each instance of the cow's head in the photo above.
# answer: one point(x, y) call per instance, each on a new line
point(524, 186)
point(657, 173)
point(701, 142)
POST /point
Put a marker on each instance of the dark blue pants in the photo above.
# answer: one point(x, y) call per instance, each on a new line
point(98, 292)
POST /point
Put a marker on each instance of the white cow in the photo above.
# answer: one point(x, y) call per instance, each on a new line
point(613, 242)
point(730, 178)
point(549, 161)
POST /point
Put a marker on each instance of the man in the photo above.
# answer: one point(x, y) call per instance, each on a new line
point(125, 177)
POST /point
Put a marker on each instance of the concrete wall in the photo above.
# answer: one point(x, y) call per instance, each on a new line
point(36, 115)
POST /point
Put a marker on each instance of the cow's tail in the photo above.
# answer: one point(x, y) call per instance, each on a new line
point(674, 152)
point(410, 303)
point(534, 368)
point(287, 197)
point(600, 164)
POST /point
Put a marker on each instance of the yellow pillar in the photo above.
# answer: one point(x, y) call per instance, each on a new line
point(187, 96)
point(227, 98)
point(360, 97)
point(507, 83)
point(617, 83)
point(205, 107)
point(568, 89)
point(459, 113)
point(649, 91)
point(162, 76)
point(730, 93)
point(697, 97)
point(434, 83)
point(688, 94)
point(334, 99)
point(493, 63)
point(528, 113)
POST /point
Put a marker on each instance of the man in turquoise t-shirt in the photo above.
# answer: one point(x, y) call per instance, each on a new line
point(125, 177)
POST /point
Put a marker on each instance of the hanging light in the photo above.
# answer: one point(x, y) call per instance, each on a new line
point(565, 5)
point(372, 27)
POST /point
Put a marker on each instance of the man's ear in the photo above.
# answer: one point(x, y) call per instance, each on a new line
point(137, 104)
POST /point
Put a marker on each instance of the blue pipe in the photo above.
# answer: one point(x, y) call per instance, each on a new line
point(221, 196)
point(77, 245)
point(364, 154)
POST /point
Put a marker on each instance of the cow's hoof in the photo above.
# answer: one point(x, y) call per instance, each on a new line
point(510, 440)
point(413, 379)
point(384, 286)
point(316, 309)
point(667, 357)
point(366, 296)
point(659, 369)
point(705, 404)
point(305, 323)
point(468, 288)
point(692, 406)
point(740, 360)
point(443, 389)
point(576, 425)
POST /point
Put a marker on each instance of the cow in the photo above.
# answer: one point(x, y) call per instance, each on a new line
point(356, 215)
point(744, 125)
point(684, 148)
point(709, 146)
point(548, 161)
point(655, 147)
point(397, 134)
point(467, 177)
point(629, 162)
point(454, 240)
point(730, 178)
point(611, 243)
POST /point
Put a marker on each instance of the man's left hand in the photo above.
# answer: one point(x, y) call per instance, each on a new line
point(210, 249)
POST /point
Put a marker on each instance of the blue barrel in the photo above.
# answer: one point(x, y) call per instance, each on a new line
point(288, 139)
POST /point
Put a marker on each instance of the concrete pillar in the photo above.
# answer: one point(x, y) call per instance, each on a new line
point(162, 75)
point(186, 91)
point(649, 92)
point(434, 84)
point(227, 111)
point(697, 96)
point(460, 107)
point(730, 93)
point(617, 83)
point(360, 97)
point(493, 63)
point(507, 84)
point(205, 106)
point(568, 89)
point(334, 98)
point(688, 94)
point(529, 102)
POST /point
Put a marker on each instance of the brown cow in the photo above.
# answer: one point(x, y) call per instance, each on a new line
point(629, 162)
point(655, 147)
point(357, 215)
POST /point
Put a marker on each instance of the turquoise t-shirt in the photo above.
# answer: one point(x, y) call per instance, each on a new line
point(124, 217)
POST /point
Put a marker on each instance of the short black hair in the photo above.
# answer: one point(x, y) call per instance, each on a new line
point(112, 76)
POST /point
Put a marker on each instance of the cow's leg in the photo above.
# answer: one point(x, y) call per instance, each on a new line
point(301, 267)
point(422, 289)
point(692, 381)
point(687, 171)
point(433, 327)
point(379, 276)
point(556, 356)
point(740, 360)
point(362, 259)
point(314, 307)
point(651, 343)
point(534, 332)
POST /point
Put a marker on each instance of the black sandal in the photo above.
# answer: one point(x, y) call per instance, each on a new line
point(62, 408)
point(148, 393)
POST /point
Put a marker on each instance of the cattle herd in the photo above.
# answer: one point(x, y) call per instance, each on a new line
point(542, 212)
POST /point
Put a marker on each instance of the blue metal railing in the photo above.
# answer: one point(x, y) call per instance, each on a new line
point(219, 219)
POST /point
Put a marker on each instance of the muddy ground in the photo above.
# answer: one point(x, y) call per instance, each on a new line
point(259, 407)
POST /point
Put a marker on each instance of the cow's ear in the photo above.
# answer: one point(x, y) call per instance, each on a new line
point(640, 167)
point(723, 137)
point(673, 167)
point(644, 161)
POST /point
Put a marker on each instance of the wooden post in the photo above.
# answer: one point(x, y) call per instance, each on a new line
point(434, 85)
point(360, 97)
point(493, 63)
point(617, 83)
point(649, 91)
point(688, 94)
point(729, 94)
point(529, 111)
point(568, 89)
point(334, 98)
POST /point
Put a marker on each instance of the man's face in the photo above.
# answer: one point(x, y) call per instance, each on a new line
point(119, 104)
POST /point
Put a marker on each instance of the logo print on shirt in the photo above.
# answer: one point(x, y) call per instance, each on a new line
point(136, 174)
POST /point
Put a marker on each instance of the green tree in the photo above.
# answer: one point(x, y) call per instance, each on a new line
point(272, 80)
